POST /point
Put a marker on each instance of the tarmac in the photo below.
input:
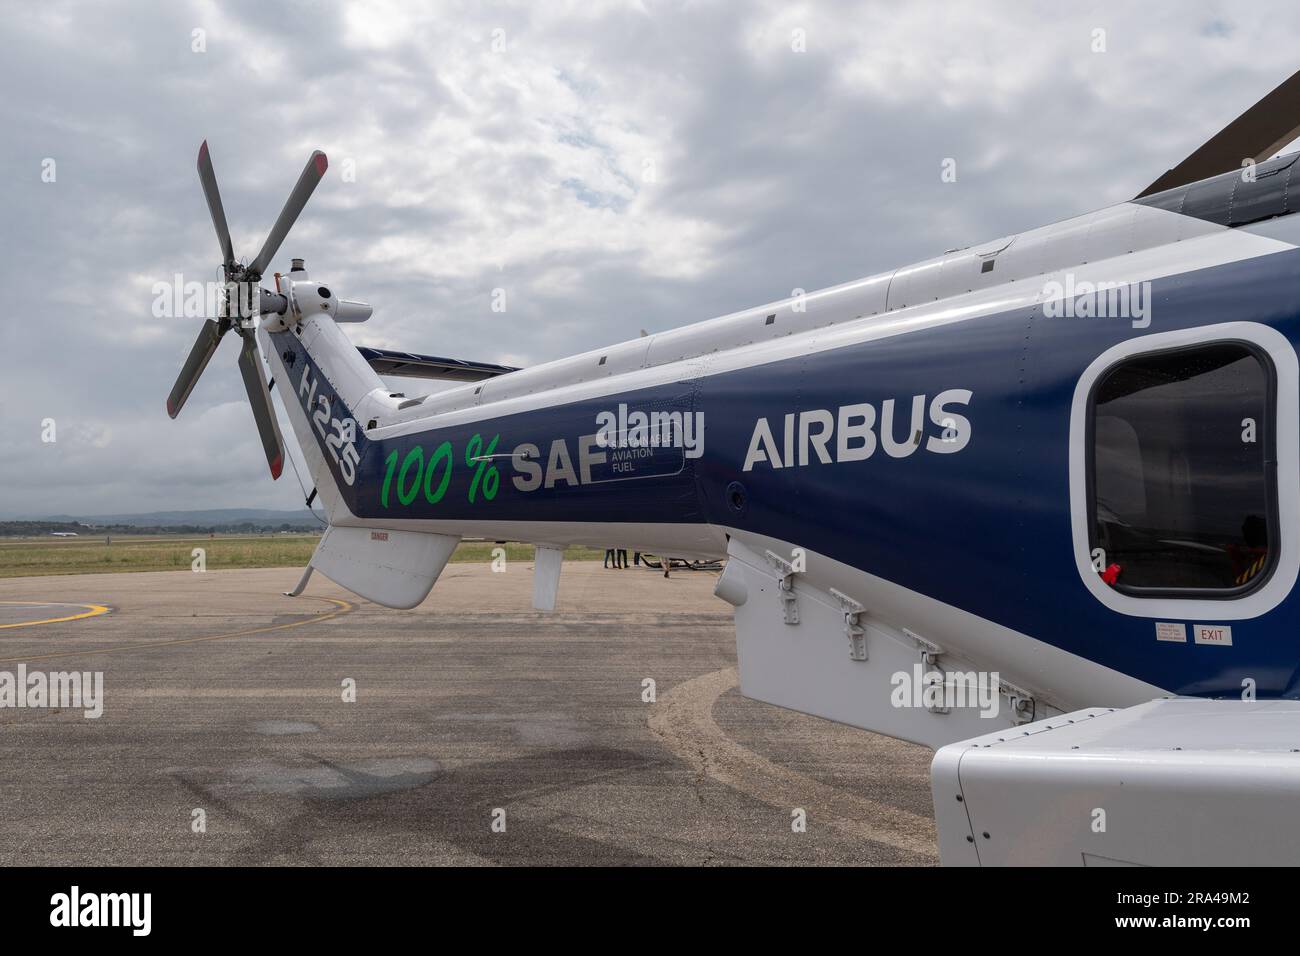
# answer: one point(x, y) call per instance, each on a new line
point(240, 726)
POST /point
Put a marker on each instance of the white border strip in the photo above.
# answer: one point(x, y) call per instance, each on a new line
point(1175, 258)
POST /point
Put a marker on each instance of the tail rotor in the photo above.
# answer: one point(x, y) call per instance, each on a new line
point(242, 302)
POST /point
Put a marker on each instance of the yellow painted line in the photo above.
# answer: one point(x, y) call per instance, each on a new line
point(340, 607)
point(92, 610)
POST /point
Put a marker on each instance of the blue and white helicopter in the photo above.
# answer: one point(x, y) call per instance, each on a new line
point(1034, 503)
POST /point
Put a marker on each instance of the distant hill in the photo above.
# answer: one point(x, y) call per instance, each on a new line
point(224, 520)
point(163, 519)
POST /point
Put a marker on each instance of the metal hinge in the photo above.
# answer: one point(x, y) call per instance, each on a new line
point(785, 587)
point(1023, 704)
point(853, 628)
point(930, 653)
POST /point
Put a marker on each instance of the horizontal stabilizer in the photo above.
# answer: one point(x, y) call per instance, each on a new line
point(393, 568)
point(411, 365)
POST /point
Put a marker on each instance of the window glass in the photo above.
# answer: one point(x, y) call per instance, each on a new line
point(1182, 483)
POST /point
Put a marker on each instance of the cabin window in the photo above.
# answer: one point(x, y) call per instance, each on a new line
point(1182, 472)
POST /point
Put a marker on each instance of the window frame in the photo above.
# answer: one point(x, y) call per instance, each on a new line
point(1268, 427)
point(1286, 419)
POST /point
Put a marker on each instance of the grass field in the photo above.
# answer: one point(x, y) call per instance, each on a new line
point(37, 556)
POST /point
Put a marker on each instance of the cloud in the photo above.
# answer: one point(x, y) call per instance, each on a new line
point(613, 166)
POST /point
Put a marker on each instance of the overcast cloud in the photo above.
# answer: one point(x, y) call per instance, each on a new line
point(615, 167)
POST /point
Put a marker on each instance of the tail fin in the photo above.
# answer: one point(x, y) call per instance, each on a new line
point(327, 387)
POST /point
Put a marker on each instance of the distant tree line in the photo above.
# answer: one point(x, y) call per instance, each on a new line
point(35, 529)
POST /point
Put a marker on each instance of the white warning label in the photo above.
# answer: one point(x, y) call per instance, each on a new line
point(1171, 632)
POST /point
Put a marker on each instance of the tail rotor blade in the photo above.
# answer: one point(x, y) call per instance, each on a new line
point(208, 179)
point(1256, 134)
point(195, 363)
point(259, 396)
point(302, 190)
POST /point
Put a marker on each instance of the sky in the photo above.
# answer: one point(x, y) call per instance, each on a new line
point(613, 167)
